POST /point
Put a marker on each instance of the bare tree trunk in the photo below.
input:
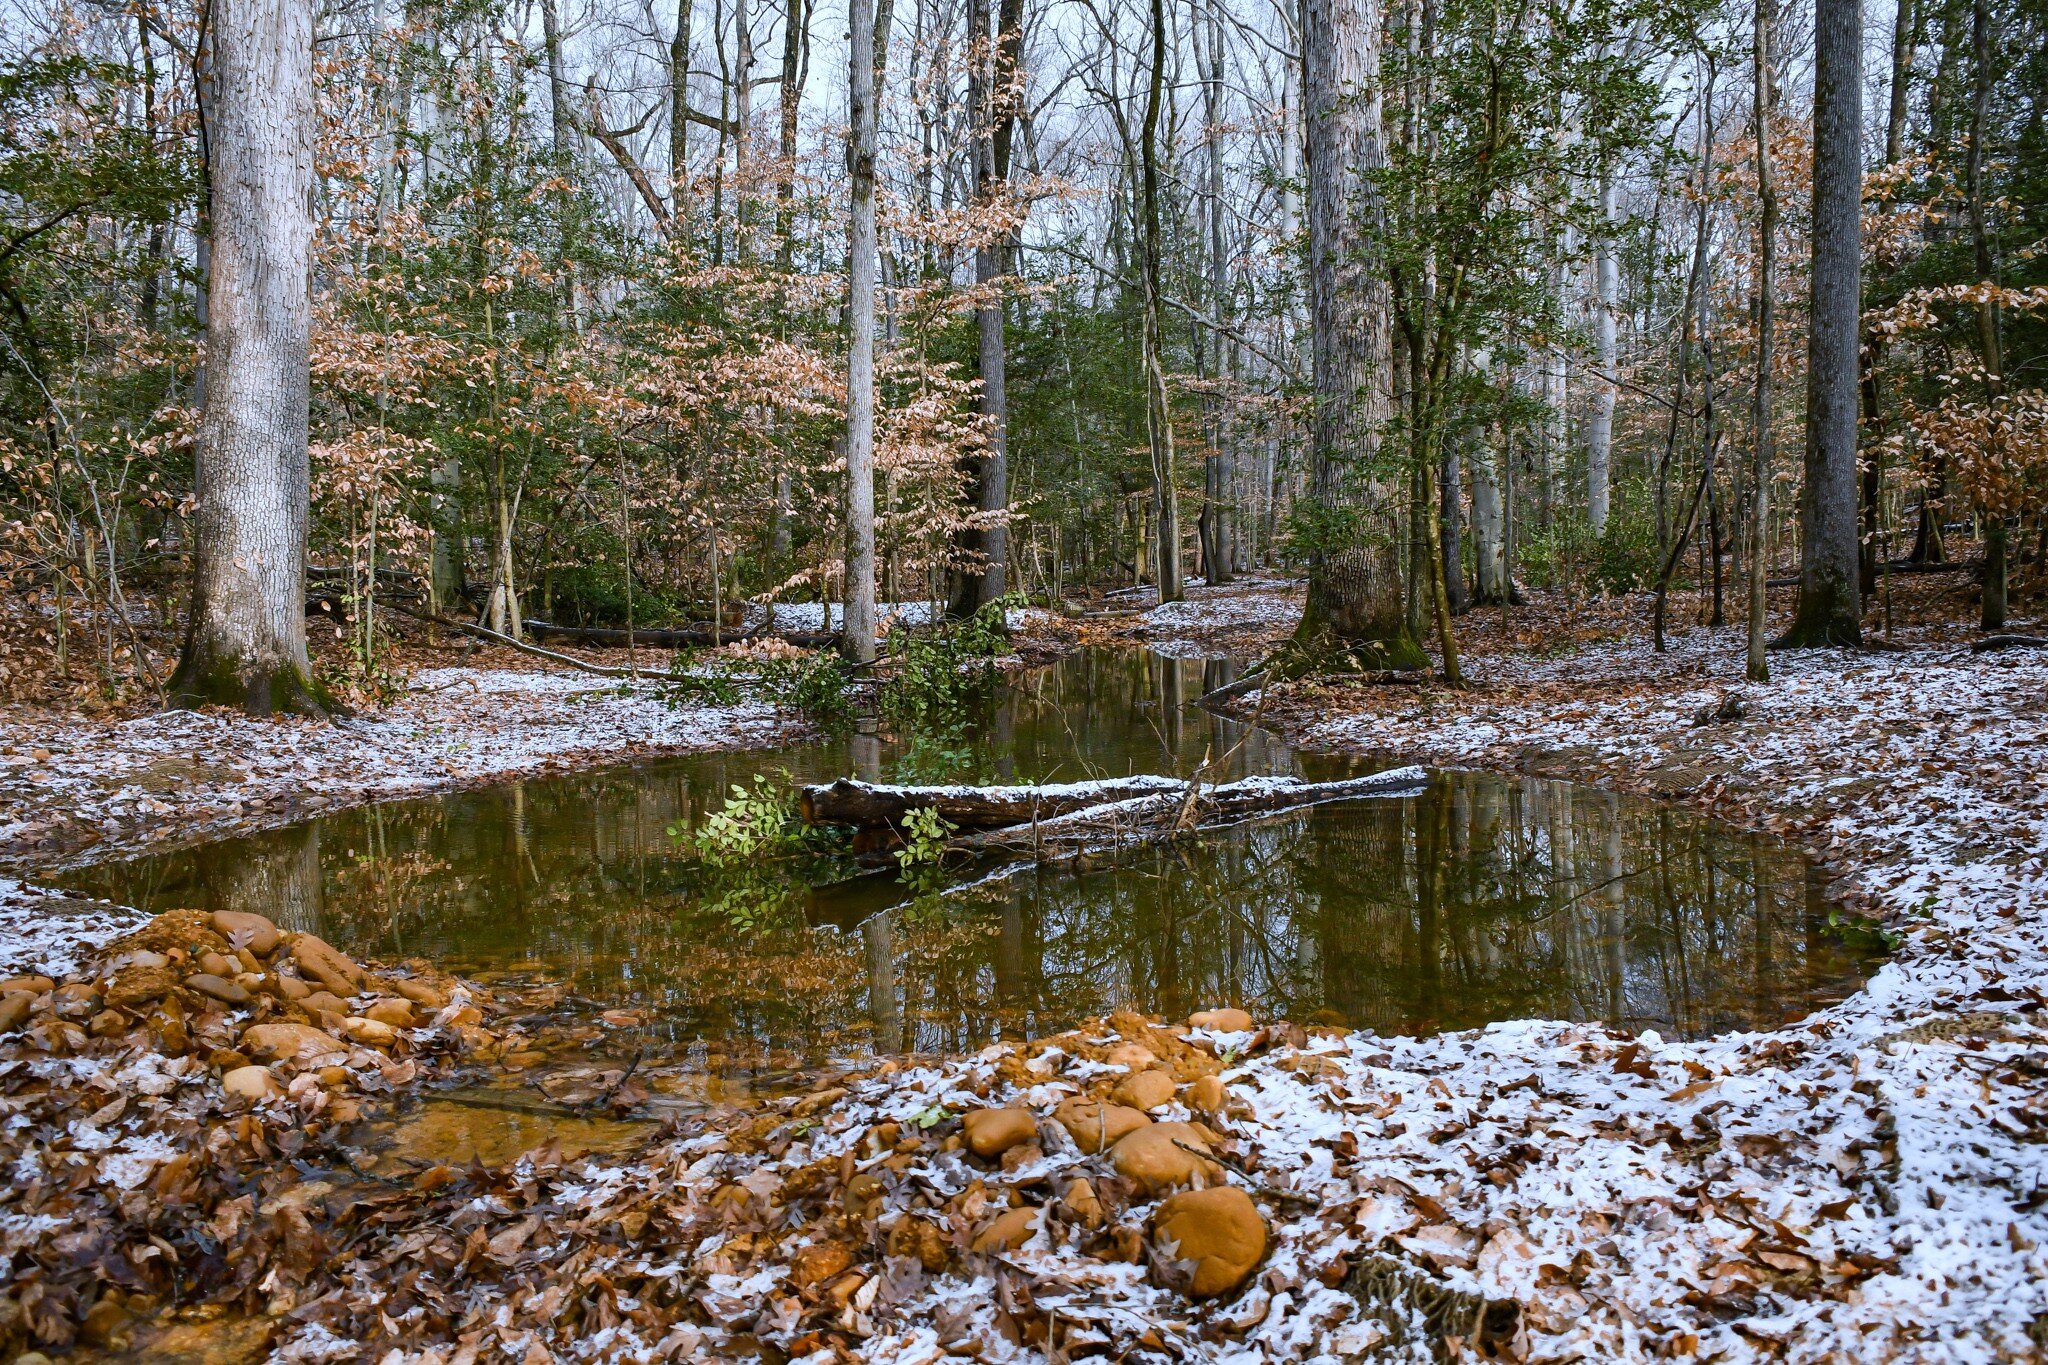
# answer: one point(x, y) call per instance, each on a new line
point(1993, 607)
point(858, 642)
point(1158, 413)
point(991, 76)
point(246, 643)
point(679, 122)
point(1217, 473)
point(1354, 587)
point(1606, 357)
point(1830, 611)
point(1759, 551)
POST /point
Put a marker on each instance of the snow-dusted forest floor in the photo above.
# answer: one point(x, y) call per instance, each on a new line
point(1868, 1183)
point(70, 784)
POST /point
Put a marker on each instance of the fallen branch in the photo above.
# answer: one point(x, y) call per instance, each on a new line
point(485, 633)
point(1991, 642)
point(1163, 813)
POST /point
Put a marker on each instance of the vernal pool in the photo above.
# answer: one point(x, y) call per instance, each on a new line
point(1480, 898)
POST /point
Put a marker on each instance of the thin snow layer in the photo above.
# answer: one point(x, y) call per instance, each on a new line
point(1226, 611)
point(190, 771)
point(824, 616)
point(1868, 1184)
point(46, 933)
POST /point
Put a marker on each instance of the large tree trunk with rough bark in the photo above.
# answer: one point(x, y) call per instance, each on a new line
point(1354, 590)
point(1830, 598)
point(246, 644)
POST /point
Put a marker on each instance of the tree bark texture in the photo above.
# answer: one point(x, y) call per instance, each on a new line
point(1354, 587)
point(1830, 599)
point(1606, 357)
point(246, 641)
point(1759, 550)
point(859, 637)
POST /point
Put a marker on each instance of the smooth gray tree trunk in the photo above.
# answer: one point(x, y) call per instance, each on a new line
point(858, 641)
point(1606, 357)
point(246, 641)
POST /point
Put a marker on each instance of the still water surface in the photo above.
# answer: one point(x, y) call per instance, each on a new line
point(1483, 898)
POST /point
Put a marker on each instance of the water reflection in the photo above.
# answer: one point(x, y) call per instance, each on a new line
point(1483, 898)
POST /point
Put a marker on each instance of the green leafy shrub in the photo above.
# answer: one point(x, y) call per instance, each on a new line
point(940, 675)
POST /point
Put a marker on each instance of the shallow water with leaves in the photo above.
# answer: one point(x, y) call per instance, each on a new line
point(1483, 898)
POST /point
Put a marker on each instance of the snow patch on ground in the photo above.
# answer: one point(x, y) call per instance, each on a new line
point(46, 933)
point(184, 772)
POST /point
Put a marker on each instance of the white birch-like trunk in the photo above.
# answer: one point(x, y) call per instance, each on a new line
point(1606, 355)
point(246, 643)
point(858, 640)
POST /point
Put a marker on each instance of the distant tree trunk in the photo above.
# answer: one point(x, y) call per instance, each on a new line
point(1217, 473)
point(1354, 589)
point(1451, 525)
point(1829, 610)
point(1993, 612)
point(1606, 357)
point(246, 642)
point(992, 117)
point(1158, 411)
point(679, 122)
point(858, 640)
point(1766, 355)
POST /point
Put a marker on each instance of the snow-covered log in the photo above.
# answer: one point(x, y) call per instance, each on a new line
point(872, 804)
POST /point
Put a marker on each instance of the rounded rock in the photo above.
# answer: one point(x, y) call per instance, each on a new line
point(326, 964)
point(290, 1042)
point(252, 1083)
point(1208, 1095)
point(396, 1013)
point(1094, 1125)
point(218, 988)
point(369, 1032)
point(1221, 1020)
point(1164, 1156)
point(14, 1010)
point(1007, 1231)
point(1218, 1233)
point(991, 1132)
point(1146, 1090)
point(255, 932)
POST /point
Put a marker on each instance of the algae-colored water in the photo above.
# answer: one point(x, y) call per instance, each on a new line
point(1482, 898)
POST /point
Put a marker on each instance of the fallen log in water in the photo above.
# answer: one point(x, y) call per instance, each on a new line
point(1163, 806)
point(1163, 813)
point(872, 804)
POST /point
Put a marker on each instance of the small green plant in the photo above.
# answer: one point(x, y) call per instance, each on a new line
point(925, 833)
point(929, 1117)
point(755, 821)
point(938, 676)
point(691, 681)
point(817, 686)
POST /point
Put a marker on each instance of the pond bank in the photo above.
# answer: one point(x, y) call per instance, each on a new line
point(1863, 1185)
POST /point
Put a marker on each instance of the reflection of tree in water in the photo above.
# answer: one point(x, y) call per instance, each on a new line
point(1482, 899)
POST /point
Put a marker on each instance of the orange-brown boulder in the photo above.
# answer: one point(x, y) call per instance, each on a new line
point(1007, 1231)
point(325, 964)
point(1145, 1090)
point(1216, 1233)
point(1164, 1156)
point(1222, 1020)
point(254, 932)
point(1094, 1125)
point(991, 1132)
point(289, 1042)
